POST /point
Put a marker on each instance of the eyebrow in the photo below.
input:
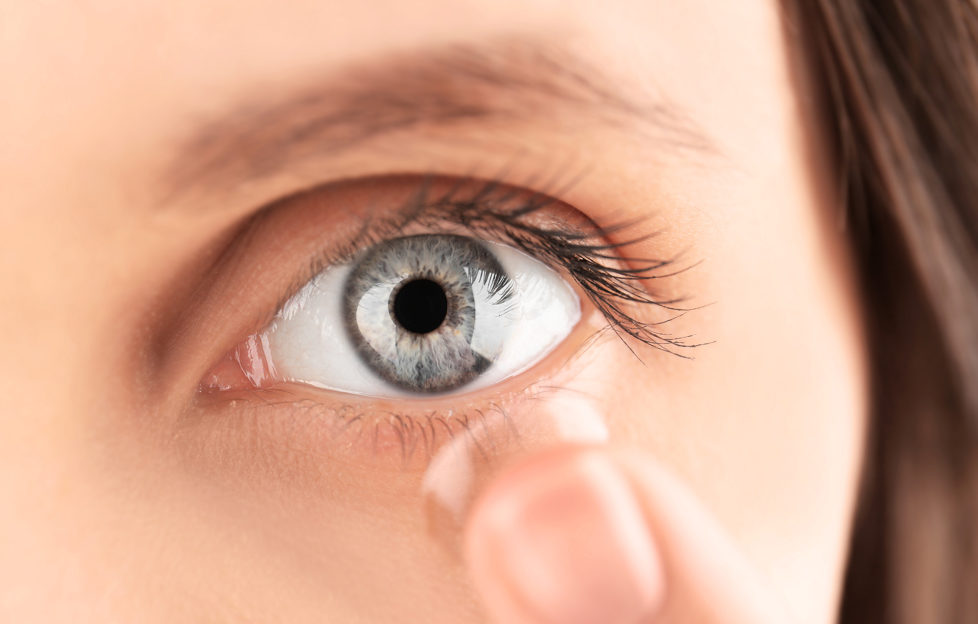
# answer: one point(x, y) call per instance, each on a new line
point(514, 80)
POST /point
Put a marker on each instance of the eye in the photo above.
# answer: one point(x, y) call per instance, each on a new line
point(413, 315)
point(420, 287)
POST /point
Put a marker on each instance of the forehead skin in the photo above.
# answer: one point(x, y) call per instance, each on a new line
point(765, 423)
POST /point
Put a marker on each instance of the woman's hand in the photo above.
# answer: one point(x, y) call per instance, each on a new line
point(587, 536)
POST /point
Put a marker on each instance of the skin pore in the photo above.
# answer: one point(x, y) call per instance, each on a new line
point(139, 143)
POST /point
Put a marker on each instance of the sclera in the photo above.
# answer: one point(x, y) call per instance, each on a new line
point(307, 342)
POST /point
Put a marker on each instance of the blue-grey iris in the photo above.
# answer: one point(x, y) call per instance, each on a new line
point(411, 305)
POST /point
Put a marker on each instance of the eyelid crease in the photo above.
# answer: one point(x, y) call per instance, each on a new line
point(505, 213)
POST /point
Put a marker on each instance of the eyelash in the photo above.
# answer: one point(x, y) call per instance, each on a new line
point(501, 213)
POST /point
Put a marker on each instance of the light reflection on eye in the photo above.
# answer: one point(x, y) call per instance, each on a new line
point(424, 314)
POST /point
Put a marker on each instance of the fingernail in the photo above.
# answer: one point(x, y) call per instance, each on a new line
point(563, 541)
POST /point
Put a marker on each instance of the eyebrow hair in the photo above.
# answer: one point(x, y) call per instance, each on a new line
point(515, 80)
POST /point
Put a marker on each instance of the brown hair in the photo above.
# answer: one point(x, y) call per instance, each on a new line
point(896, 90)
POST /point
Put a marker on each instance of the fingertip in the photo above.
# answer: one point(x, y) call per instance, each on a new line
point(561, 539)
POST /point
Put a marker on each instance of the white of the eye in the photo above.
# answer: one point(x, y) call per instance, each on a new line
point(308, 342)
point(491, 321)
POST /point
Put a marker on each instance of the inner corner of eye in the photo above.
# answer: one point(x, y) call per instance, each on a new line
point(419, 315)
point(247, 366)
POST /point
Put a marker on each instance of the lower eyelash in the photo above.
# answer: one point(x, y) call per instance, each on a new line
point(391, 437)
point(427, 433)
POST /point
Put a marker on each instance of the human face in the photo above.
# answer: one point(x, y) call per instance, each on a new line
point(140, 142)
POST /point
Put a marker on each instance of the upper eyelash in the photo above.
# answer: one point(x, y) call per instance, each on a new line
point(584, 256)
point(501, 212)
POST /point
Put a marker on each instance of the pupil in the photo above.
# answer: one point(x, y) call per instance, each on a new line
point(420, 306)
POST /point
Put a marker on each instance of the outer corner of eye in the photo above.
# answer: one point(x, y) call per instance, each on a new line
point(411, 316)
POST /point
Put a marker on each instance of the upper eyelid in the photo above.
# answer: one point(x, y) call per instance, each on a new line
point(458, 206)
point(432, 212)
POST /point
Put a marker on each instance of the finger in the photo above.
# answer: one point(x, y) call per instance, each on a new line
point(710, 580)
point(581, 536)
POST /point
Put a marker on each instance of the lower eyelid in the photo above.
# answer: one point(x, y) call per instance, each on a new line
point(312, 428)
point(312, 434)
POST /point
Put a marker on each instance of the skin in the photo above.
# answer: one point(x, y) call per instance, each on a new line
point(127, 498)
